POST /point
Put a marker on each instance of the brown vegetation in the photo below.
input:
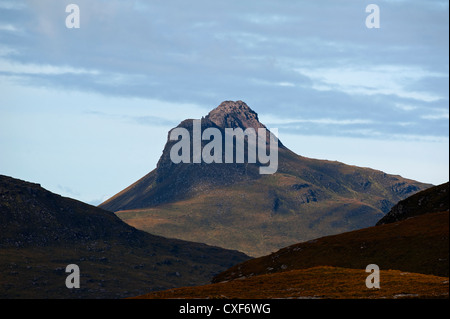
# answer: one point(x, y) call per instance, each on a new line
point(317, 282)
point(419, 244)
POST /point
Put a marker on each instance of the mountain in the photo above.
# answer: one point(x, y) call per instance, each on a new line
point(434, 199)
point(417, 244)
point(41, 233)
point(232, 205)
point(170, 182)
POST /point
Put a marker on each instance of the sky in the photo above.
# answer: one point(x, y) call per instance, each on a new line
point(86, 111)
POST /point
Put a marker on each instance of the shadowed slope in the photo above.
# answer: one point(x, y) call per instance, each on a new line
point(41, 233)
point(434, 199)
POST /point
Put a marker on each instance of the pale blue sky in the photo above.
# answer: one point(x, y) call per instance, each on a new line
point(85, 112)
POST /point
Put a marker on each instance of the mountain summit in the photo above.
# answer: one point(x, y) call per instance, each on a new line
point(232, 205)
point(231, 114)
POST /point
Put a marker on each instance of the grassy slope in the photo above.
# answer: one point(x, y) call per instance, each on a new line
point(419, 244)
point(263, 215)
point(317, 282)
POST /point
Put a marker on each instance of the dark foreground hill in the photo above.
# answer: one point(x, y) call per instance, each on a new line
point(41, 233)
point(406, 245)
point(434, 199)
point(233, 206)
point(417, 244)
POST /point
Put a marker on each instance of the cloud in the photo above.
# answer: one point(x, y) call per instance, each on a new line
point(8, 27)
point(372, 80)
point(296, 60)
point(13, 67)
point(67, 191)
point(328, 121)
point(215, 50)
point(148, 120)
point(437, 114)
point(405, 107)
point(12, 5)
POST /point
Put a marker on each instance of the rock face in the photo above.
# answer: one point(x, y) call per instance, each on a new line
point(234, 114)
point(232, 205)
point(434, 199)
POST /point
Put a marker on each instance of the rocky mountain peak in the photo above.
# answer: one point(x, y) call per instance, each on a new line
point(230, 114)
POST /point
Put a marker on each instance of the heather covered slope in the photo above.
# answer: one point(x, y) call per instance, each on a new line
point(322, 282)
point(434, 199)
point(418, 244)
point(41, 233)
point(233, 206)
